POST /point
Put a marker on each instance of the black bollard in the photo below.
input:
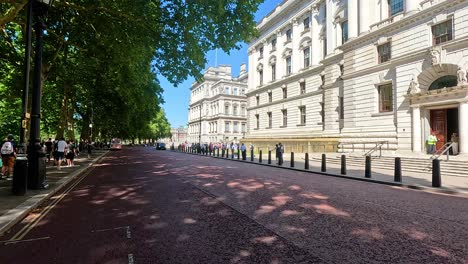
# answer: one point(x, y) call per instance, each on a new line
point(292, 160)
point(260, 157)
point(397, 170)
point(343, 164)
point(436, 179)
point(324, 163)
point(251, 155)
point(238, 153)
point(368, 173)
point(269, 157)
point(227, 153)
point(306, 162)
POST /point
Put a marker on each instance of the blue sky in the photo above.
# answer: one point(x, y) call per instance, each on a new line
point(177, 98)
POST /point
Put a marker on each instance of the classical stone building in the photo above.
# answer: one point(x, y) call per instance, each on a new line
point(218, 106)
point(178, 135)
point(358, 73)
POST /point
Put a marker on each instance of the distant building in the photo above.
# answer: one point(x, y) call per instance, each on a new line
point(178, 135)
point(218, 106)
point(358, 73)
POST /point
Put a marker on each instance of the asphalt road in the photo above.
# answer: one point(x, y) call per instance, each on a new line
point(145, 206)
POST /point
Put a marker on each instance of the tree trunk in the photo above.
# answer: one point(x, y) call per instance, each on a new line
point(85, 130)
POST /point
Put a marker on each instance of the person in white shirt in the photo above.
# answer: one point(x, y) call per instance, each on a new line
point(61, 147)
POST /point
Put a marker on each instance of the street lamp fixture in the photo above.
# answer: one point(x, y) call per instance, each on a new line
point(36, 166)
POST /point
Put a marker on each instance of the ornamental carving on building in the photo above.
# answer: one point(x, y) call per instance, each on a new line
point(461, 76)
point(436, 55)
point(414, 87)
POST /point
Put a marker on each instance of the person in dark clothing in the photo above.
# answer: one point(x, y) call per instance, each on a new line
point(48, 144)
point(280, 154)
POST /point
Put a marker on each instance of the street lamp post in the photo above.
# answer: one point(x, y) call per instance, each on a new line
point(37, 169)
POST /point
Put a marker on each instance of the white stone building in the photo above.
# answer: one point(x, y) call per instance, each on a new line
point(360, 72)
point(218, 106)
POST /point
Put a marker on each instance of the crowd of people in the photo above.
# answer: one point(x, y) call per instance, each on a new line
point(236, 150)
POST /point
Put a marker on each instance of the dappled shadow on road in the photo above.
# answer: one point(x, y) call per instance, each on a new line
point(381, 224)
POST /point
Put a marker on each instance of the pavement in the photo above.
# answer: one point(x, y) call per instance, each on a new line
point(140, 205)
point(415, 180)
point(14, 208)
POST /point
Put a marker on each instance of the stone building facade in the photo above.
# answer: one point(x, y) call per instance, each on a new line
point(330, 74)
point(218, 106)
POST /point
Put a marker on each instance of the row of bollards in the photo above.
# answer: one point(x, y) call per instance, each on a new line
point(436, 175)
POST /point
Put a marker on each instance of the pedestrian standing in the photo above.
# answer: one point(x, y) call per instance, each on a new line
point(48, 145)
point(431, 143)
point(277, 154)
point(281, 151)
point(244, 151)
point(89, 148)
point(61, 148)
point(8, 151)
point(71, 153)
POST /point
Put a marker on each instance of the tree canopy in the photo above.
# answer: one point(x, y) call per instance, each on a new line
point(102, 58)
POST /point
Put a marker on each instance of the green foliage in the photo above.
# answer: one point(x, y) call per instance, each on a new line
point(101, 60)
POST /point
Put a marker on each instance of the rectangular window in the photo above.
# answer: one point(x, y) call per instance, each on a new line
point(302, 87)
point(258, 99)
point(235, 91)
point(385, 52)
point(234, 110)
point(270, 97)
point(270, 119)
point(285, 117)
point(226, 127)
point(306, 23)
point(285, 92)
point(260, 76)
point(236, 127)
point(288, 35)
point(243, 110)
point(288, 65)
point(442, 32)
point(243, 128)
point(322, 112)
point(302, 111)
point(226, 90)
point(306, 57)
point(257, 120)
point(396, 6)
point(341, 107)
point(273, 44)
point(226, 109)
point(385, 98)
point(344, 32)
point(261, 52)
point(273, 72)
point(242, 91)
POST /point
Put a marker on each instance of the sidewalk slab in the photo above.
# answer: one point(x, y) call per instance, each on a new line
point(14, 208)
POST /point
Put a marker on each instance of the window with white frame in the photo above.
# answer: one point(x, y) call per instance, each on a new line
point(243, 110)
point(260, 76)
point(270, 97)
point(234, 110)
point(344, 31)
point(288, 65)
point(226, 109)
point(306, 23)
point(385, 98)
point(302, 87)
point(289, 35)
point(257, 98)
point(227, 90)
point(384, 52)
point(257, 120)
point(442, 32)
point(227, 127)
point(235, 91)
point(396, 6)
point(243, 128)
point(236, 127)
point(306, 52)
point(273, 71)
point(270, 119)
point(284, 112)
point(302, 111)
point(273, 44)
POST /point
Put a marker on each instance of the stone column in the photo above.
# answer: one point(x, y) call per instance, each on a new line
point(364, 16)
point(315, 50)
point(411, 6)
point(353, 18)
point(463, 127)
point(330, 28)
point(416, 127)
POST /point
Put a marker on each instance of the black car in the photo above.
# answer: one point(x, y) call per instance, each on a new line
point(161, 146)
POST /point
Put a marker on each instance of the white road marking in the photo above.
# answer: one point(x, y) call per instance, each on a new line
point(109, 229)
point(7, 242)
point(129, 235)
point(130, 259)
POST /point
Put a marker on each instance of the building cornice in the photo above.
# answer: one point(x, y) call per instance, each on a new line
point(219, 96)
point(403, 22)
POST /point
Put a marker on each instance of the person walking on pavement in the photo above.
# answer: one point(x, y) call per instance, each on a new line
point(244, 151)
point(61, 148)
point(48, 144)
point(8, 151)
point(71, 154)
point(89, 148)
point(431, 143)
point(280, 154)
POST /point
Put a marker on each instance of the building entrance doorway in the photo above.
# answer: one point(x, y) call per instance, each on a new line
point(444, 122)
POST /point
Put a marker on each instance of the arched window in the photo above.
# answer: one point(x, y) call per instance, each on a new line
point(445, 81)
